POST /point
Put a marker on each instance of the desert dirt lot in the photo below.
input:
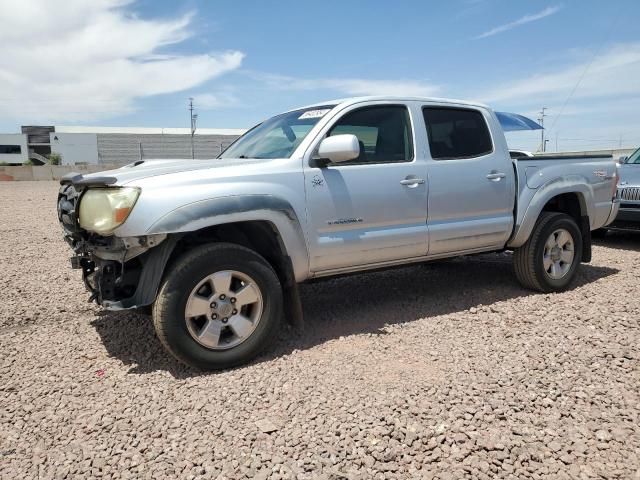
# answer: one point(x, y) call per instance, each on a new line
point(444, 371)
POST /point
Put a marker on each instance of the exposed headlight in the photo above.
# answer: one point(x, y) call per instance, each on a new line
point(102, 210)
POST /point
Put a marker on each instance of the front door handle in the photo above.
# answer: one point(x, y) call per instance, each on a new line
point(496, 176)
point(410, 182)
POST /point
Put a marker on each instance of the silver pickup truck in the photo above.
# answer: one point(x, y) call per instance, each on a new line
point(218, 247)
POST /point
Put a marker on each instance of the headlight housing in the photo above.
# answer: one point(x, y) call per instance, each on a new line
point(102, 210)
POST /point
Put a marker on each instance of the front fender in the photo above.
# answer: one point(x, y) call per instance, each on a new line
point(239, 208)
point(535, 200)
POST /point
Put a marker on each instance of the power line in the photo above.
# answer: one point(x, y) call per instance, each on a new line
point(584, 72)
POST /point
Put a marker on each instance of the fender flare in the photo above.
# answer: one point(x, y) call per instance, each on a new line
point(576, 184)
point(238, 208)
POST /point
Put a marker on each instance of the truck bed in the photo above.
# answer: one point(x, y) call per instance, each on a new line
point(535, 176)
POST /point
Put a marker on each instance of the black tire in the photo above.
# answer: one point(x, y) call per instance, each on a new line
point(528, 260)
point(184, 276)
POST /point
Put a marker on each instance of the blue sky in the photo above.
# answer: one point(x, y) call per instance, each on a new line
point(135, 63)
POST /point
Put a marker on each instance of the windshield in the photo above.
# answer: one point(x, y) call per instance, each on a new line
point(634, 158)
point(277, 137)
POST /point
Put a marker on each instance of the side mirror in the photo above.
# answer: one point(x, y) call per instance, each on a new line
point(622, 160)
point(339, 148)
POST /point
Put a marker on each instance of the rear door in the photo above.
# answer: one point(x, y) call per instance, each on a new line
point(372, 209)
point(471, 181)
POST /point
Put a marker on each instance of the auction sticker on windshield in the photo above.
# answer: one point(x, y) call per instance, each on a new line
point(314, 113)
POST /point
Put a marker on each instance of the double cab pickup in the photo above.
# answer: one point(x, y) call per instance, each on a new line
point(218, 247)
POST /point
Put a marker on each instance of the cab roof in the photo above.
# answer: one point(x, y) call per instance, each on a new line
point(353, 100)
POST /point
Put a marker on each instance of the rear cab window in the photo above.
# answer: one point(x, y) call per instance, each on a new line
point(456, 133)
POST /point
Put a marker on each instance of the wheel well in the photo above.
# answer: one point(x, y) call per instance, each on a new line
point(573, 205)
point(260, 236)
point(570, 203)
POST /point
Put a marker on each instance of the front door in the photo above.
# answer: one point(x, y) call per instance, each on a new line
point(372, 209)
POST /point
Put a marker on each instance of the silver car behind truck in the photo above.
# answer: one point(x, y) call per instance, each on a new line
point(628, 218)
point(218, 247)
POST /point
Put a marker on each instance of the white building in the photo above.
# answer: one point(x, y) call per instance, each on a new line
point(75, 148)
point(122, 145)
point(81, 145)
point(13, 148)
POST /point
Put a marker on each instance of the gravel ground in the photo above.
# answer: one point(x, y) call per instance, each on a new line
point(443, 371)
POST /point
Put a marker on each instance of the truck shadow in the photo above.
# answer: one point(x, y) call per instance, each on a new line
point(620, 240)
point(345, 306)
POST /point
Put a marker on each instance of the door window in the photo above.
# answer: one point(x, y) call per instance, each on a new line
point(384, 133)
point(456, 133)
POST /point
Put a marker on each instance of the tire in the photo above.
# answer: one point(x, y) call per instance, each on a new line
point(194, 281)
point(531, 260)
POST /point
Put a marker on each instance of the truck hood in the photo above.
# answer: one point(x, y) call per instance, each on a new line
point(152, 168)
point(629, 174)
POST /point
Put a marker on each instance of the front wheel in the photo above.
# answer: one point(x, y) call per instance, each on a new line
point(548, 261)
point(219, 306)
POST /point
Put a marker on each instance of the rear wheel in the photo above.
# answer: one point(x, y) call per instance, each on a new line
point(550, 258)
point(219, 306)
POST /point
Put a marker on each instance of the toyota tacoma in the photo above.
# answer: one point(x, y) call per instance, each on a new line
point(217, 248)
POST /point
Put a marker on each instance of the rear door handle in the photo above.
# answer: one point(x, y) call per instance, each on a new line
point(410, 182)
point(496, 176)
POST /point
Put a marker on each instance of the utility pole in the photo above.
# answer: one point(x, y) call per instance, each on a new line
point(193, 117)
point(543, 144)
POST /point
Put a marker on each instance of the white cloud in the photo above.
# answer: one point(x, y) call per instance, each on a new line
point(613, 73)
point(71, 60)
point(521, 21)
point(353, 86)
point(600, 113)
point(210, 101)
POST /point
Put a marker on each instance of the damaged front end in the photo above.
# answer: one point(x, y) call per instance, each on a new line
point(119, 272)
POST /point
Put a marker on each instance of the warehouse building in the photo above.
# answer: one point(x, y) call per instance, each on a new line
point(80, 145)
